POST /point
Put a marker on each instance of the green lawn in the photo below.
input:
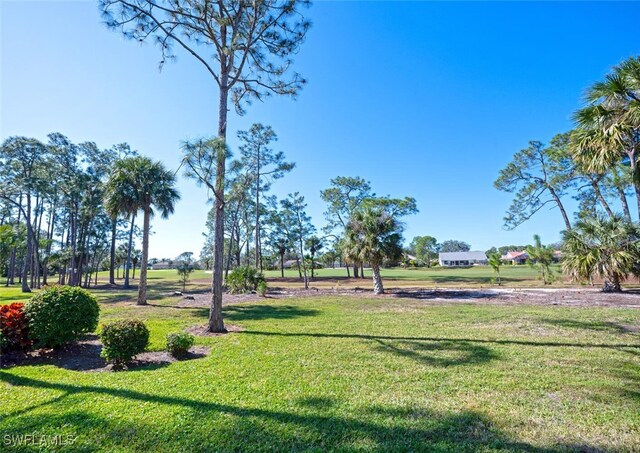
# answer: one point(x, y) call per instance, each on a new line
point(164, 282)
point(353, 374)
point(476, 275)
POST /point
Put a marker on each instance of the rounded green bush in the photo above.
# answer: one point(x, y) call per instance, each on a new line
point(122, 340)
point(178, 343)
point(61, 314)
point(244, 279)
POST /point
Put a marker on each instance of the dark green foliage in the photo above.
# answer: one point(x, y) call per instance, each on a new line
point(122, 340)
point(178, 343)
point(4, 344)
point(61, 314)
point(244, 279)
point(453, 245)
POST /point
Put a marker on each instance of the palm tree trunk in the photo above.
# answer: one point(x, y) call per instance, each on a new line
point(611, 285)
point(112, 252)
point(142, 284)
point(377, 280)
point(126, 264)
point(27, 256)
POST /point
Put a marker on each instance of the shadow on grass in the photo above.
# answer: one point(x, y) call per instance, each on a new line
point(602, 326)
point(439, 353)
point(436, 294)
point(260, 312)
point(250, 428)
point(451, 340)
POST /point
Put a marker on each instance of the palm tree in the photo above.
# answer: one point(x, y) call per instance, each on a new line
point(147, 185)
point(314, 245)
point(608, 127)
point(542, 256)
point(135, 260)
point(156, 188)
point(373, 236)
point(121, 198)
point(605, 247)
point(495, 261)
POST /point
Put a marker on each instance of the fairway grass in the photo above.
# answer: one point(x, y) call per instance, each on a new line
point(352, 374)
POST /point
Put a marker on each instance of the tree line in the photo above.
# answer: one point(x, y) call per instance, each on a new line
point(597, 164)
point(65, 206)
point(262, 231)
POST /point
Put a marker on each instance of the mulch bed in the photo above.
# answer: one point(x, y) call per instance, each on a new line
point(84, 355)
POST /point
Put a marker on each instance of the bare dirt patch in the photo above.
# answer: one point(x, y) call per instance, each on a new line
point(203, 330)
point(85, 356)
point(573, 297)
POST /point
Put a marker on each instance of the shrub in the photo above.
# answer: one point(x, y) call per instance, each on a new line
point(14, 327)
point(4, 344)
point(178, 343)
point(122, 340)
point(262, 288)
point(60, 314)
point(244, 279)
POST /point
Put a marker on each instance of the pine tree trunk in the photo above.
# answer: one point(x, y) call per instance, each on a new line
point(142, 284)
point(282, 265)
point(635, 175)
point(624, 203)
point(216, 322)
point(555, 196)
point(601, 199)
point(377, 280)
point(257, 235)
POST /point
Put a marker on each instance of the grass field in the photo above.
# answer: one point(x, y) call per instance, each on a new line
point(164, 281)
point(351, 374)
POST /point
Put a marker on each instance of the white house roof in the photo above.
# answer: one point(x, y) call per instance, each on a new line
point(463, 256)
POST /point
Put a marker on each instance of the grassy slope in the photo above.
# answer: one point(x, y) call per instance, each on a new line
point(351, 374)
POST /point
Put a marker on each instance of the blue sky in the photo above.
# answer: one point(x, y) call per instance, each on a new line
point(423, 99)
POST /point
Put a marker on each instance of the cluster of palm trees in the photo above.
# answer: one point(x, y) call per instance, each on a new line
point(607, 135)
point(140, 184)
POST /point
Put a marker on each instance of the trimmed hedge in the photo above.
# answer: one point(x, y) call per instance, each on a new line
point(178, 343)
point(61, 314)
point(123, 340)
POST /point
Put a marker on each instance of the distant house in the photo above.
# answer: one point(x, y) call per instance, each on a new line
point(515, 257)
point(290, 264)
point(452, 259)
point(161, 265)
